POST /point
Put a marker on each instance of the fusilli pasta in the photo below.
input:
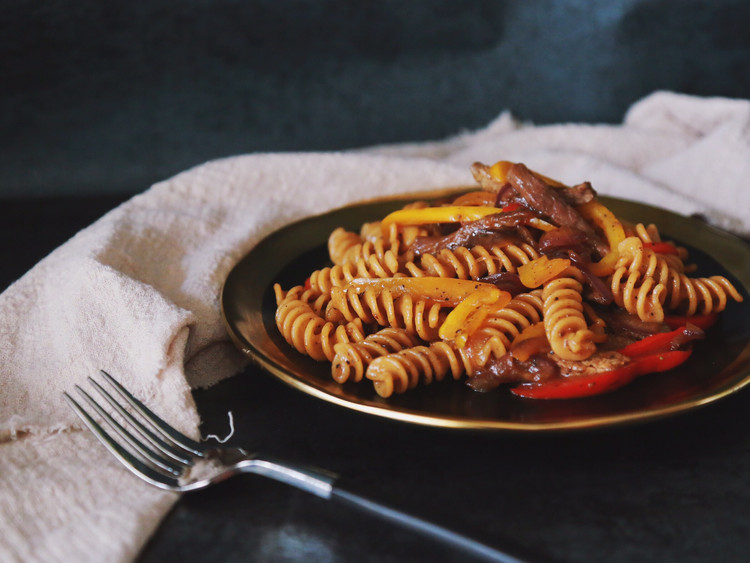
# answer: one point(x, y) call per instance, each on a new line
point(524, 280)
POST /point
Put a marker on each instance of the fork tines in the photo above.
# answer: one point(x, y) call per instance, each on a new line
point(147, 445)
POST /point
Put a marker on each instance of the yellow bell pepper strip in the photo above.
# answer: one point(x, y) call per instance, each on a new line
point(540, 270)
point(468, 315)
point(528, 342)
point(541, 224)
point(480, 198)
point(499, 170)
point(534, 330)
point(446, 214)
point(588, 385)
point(446, 291)
point(600, 216)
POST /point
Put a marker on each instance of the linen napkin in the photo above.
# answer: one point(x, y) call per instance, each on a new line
point(137, 292)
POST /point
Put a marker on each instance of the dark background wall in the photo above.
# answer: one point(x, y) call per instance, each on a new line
point(109, 97)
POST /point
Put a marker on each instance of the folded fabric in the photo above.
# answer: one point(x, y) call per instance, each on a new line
point(137, 292)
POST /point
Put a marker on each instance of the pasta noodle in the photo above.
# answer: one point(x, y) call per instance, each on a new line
point(417, 316)
point(309, 333)
point(523, 281)
point(396, 373)
point(343, 245)
point(566, 328)
point(502, 327)
point(653, 281)
point(352, 358)
point(463, 263)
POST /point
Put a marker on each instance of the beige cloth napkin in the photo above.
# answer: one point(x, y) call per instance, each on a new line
point(136, 293)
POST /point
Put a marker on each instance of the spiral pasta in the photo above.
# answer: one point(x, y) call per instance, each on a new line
point(644, 298)
point(523, 280)
point(464, 263)
point(417, 316)
point(404, 370)
point(352, 358)
point(645, 282)
point(495, 336)
point(339, 275)
point(343, 245)
point(567, 331)
point(401, 370)
point(393, 234)
point(647, 233)
point(317, 300)
point(309, 333)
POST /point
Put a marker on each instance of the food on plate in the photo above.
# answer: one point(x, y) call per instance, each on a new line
point(522, 281)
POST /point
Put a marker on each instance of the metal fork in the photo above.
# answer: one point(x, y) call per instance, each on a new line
point(166, 458)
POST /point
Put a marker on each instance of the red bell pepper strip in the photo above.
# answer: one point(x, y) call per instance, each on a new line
point(701, 321)
point(511, 207)
point(663, 341)
point(604, 382)
point(659, 342)
point(662, 247)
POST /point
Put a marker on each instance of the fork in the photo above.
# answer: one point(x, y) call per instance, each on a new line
point(162, 456)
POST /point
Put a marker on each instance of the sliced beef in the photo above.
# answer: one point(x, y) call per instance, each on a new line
point(544, 199)
point(575, 195)
point(506, 281)
point(622, 323)
point(508, 369)
point(578, 194)
point(598, 363)
point(497, 229)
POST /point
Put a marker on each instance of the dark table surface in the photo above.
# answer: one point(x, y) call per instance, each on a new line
point(102, 98)
point(671, 490)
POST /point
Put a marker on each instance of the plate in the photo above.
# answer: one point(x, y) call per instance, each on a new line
point(720, 365)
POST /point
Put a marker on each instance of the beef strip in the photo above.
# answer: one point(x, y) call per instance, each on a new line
point(544, 199)
point(507, 281)
point(620, 322)
point(600, 362)
point(574, 195)
point(539, 368)
point(496, 229)
point(578, 194)
point(508, 369)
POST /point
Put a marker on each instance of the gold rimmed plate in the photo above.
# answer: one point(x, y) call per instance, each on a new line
point(720, 365)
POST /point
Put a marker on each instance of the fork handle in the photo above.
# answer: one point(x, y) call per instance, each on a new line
point(316, 481)
point(324, 484)
point(429, 529)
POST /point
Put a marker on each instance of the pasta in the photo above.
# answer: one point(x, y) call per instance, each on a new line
point(310, 333)
point(523, 281)
point(501, 328)
point(565, 326)
point(352, 358)
point(461, 262)
point(645, 280)
point(405, 369)
point(416, 316)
